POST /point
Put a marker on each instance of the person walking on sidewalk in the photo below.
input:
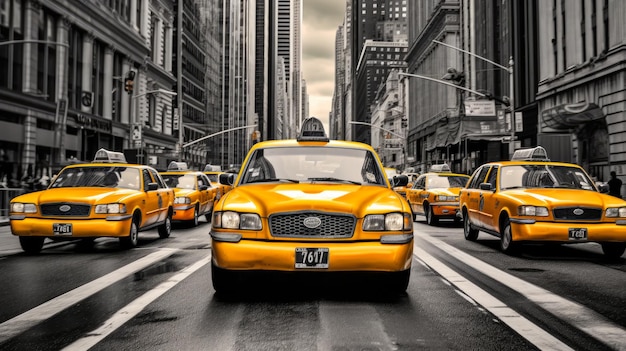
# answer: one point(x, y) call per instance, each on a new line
point(615, 185)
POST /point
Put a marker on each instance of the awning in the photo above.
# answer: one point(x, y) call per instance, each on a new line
point(568, 116)
point(467, 128)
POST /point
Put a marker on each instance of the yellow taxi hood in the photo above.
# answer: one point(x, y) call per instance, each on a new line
point(343, 198)
point(557, 197)
point(82, 195)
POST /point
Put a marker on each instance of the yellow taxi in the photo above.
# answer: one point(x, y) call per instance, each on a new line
point(531, 199)
point(195, 195)
point(435, 194)
point(105, 198)
point(311, 205)
point(214, 177)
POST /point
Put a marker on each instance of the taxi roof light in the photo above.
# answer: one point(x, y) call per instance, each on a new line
point(536, 153)
point(177, 166)
point(312, 130)
point(440, 168)
point(106, 156)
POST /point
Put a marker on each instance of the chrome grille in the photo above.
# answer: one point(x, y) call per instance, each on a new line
point(332, 225)
point(75, 210)
point(567, 214)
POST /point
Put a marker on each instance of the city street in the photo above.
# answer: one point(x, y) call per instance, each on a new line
point(462, 295)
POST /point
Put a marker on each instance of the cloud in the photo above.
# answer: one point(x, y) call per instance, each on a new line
point(320, 21)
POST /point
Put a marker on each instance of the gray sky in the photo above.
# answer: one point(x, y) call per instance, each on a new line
point(320, 18)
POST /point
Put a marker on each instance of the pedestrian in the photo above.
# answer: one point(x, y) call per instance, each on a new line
point(615, 185)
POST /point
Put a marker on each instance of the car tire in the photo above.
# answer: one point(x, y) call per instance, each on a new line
point(507, 245)
point(165, 229)
point(431, 219)
point(194, 221)
point(398, 282)
point(223, 281)
point(613, 251)
point(131, 241)
point(470, 233)
point(32, 245)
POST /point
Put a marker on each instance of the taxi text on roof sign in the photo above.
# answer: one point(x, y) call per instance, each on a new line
point(537, 153)
point(312, 130)
point(104, 155)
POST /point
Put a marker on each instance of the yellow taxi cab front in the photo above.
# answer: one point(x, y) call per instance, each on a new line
point(194, 194)
point(435, 195)
point(311, 204)
point(531, 199)
point(106, 198)
point(214, 178)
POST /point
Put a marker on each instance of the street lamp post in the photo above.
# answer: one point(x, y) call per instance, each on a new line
point(511, 87)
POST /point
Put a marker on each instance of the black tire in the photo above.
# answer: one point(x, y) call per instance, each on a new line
point(224, 281)
point(194, 222)
point(613, 251)
point(431, 219)
point(165, 229)
point(32, 245)
point(470, 233)
point(398, 282)
point(131, 241)
point(507, 245)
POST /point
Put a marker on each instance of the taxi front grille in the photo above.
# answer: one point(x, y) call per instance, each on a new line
point(329, 225)
point(577, 214)
point(63, 209)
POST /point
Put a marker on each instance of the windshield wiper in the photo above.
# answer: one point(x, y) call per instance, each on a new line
point(330, 179)
point(265, 180)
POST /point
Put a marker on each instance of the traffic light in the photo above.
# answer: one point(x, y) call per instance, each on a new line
point(129, 81)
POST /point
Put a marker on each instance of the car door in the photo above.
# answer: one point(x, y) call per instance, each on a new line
point(152, 199)
point(164, 196)
point(471, 197)
point(416, 195)
point(204, 197)
point(489, 212)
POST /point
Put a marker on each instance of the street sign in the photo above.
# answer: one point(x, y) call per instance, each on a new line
point(480, 108)
point(135, 133)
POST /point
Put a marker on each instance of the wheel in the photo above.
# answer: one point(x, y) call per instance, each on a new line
point(224, 281)
point(398, 282)
point(32, 245)
point(507, 245)
point(194, 221)
point(470, 233)
point(166, 228)
point(132, 239)
point(613, 250)
point(431, 219)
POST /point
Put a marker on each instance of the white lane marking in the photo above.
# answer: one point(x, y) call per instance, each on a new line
point(571, 312)
point(32, 317)
point(132, 309)
point(528, 330)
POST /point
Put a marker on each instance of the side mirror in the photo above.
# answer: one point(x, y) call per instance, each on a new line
point(153, 186)
point(400, 180)
point(227, 178)
point(204, 187)
point(603, 188)
point(486, 186)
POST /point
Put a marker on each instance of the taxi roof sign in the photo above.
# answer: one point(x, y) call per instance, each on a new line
point(177, 166)
point(106, 156)
point(537, 153)
point(440, 168)
point(312, 130)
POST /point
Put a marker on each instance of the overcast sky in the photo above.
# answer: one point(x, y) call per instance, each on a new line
point(320, 18)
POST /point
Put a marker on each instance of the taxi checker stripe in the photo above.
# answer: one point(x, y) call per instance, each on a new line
point(573, 313)
point(30, 318)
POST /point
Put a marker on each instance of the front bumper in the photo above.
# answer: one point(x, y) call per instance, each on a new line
point(528, 230)
point(343, 256)
point(116, 226)
point(445, 209)
point(183, 212)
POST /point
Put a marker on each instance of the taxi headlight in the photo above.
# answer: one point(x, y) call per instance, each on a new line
point(21, 207)
point(615, 212)
point(182, 200)
point(390, 221)
point(110, 208)
point(535, 211)
point(447, 198)
point(234, 220)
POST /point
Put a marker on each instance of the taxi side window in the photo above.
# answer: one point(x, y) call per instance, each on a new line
point(146, 179)
point(493, 177)
point(157, 179)
point(419, 183)
point(205, 180)
point(479, 177)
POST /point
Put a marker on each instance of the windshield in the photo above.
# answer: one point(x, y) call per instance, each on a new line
point(544, 176)
point(107, 177)
point(446, 182)
point(313, 164)
point(180, 181)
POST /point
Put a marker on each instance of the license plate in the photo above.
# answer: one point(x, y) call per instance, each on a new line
point(308, 257)
point(577, 233)
point(62, 228)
